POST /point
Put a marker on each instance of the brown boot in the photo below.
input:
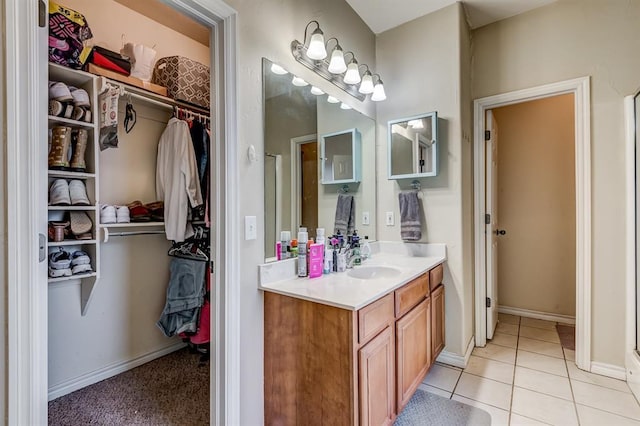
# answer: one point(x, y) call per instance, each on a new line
point(79, 147)
point(60, 144)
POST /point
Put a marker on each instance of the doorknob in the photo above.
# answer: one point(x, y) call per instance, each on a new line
point(500, 231)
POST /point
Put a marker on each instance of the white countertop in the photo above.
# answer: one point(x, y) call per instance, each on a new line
point(343, 291)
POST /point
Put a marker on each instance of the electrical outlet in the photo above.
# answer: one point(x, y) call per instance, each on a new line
point(365, 218)
point(250, 228)
point(390, 220)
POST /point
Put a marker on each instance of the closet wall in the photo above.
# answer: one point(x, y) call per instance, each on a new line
point(119, 329)
point(3, 231)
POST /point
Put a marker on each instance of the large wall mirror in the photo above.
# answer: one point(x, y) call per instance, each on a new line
point(295, 120)
point(413, 148)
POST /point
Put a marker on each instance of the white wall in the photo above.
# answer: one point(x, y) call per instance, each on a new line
point(565, 40)
point(3, 234)
point(266, 29)
point(419, 83)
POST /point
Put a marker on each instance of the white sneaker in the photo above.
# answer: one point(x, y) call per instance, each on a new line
point(57, 273)
point(122, 214)
point(78, 193)
point(81, 269)
point(59, 193)
point(107, 214)
point(59, 91)
point(80, 97)
point(80, 258)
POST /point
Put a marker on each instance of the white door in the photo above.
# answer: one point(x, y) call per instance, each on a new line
point(492, 231)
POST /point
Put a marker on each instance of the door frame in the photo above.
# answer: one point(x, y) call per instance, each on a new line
point(26, 293)
point(580, 88)
point(296, 171)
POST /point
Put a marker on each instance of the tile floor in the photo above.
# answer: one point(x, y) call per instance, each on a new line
point(524, 377)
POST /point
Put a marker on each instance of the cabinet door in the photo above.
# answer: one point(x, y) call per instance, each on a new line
point(377, 380)
point(413, 340)
point(437, 321)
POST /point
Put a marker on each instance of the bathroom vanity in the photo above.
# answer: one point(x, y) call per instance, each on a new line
point(351, 348)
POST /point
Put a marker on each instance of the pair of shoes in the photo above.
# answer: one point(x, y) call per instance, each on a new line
point(156, 210)
point(64, 264)
point(64, 140)
point(81, 225)
point(139, 212)
point(63, 193)
point(69, 102)
point(114, 214)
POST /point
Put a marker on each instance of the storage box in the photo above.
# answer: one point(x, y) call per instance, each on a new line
point(185, 79)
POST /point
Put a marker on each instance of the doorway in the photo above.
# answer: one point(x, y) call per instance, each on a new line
point(304, 183)
point(485, 227)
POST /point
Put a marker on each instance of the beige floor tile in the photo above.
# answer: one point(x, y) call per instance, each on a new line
point(569, 354)
point(505, 328)
point(548, 364)
point(606, 399)
point(496, 353)
point(490, 369)
point(434, 390)
point(592, 417)
point(544, 408)
point(539, 334)
point(509, 319)
point(595, 379)
point(442, 377)
point(542, 382)
point(518, 420)
point(540, 347)
point(508, 340)
point(484, 390)
point(532, 322)
point(498, 417)
point(448, 366)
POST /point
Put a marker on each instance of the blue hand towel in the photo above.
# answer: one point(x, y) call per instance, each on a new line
point(345, 214)
point(410, 223)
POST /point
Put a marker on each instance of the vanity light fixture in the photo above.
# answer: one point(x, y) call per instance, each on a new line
point(337, 64)
point(316, 91)
point(332, 100)
point(297, 81)
point(378, 91)
point(316, 50)
point(352, 76)
point(344, 106)
point(366, 85)
point(277, 69)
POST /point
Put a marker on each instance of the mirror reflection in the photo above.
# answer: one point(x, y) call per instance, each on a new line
point(412, 146)
point(297, 120)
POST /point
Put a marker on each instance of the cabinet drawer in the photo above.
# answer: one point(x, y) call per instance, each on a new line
point(374, 318)
point(411, 294)
point(435, 276)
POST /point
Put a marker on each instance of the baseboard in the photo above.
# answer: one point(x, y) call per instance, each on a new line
point(565, 319)
point(456, 360)
point(108, 371)
point(609, 370)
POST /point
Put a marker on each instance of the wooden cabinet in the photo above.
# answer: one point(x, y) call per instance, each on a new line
point(377, 380)
point(437, 322)
point(330, 366)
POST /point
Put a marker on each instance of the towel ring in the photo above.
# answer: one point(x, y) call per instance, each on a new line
point(344, 189)
point(416, 185)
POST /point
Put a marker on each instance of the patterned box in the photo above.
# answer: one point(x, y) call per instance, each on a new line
point(185, 79)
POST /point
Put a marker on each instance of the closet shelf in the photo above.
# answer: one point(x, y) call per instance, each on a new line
point(72, 208)
point(71, 175)
point(72, 277)
point(132, 225)
point(69, 122)
point(71, 243)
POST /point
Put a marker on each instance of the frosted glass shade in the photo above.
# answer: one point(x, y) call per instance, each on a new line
point(378, 93)
point(316, 91)
point(277, 69)
point(316, 48)
point(352, 76)
point(337, 64)
point(344, 106)
point(332, 100)
point(366, 86)
point(297, 81)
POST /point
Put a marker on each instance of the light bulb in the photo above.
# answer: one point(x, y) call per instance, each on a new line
point(352, 76)
point(337, 65)
point(378, 92)
point(316, 48)
point(344, 106)
point(277, 69)
point(316, 91)
point(366, 86)
point(297, 81)
point(332, 100)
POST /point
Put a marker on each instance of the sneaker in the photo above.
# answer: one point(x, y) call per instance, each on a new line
point(78, 193)
point(59, 91)
point(80, 225)
point(80, 97)
point(55, 108)
point(59, 193)
point(122, 214)
point(59, 259)
point(81, 269)
point(57, 273)
point(107, 214)
point(80, 258)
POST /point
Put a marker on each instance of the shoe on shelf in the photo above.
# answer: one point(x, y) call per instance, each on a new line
point(79, 144)
point(78, 193)
point(122, 214)
point(56, 108)
point(60, 145)
point(138, 212)
point(59, 194)
point(80, 258)
point(81, 269)
point(57, 231)
point(107, 214)
point(80, 225)
point(57, 273)
point(59, 259)
point(156, 210)
point(59, 91)
point(80, 97)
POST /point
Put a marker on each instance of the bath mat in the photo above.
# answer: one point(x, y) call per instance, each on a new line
point(425, 409)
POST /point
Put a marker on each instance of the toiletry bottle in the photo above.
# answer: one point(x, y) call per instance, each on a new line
point(365, 250)
point(355, 248)
point(294, 248)
point(285, 240)
point(334, 254)
point(320, 236)
point(328, 261)
point(302, 253)
point(278, 250)
point(316, 252)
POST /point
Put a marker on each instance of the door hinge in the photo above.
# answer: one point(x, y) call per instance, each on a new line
point(487, 219)
point(488, 302)
point(487, 135)
point(42, 14)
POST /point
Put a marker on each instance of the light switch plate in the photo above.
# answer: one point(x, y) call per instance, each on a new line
point(250, 228)
point(390, 219)
point(365, 218)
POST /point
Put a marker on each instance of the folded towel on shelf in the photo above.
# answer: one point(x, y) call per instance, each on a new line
point(345, 214)
point(410, 223)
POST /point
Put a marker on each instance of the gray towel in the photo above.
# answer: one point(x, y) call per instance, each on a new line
point(345, 214)
point(410, 224)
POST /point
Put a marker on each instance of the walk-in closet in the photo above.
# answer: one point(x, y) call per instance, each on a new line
point(130, 165)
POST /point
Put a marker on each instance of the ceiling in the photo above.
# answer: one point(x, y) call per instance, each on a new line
point(382, 15)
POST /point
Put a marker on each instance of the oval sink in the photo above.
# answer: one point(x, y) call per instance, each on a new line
point(373, 272)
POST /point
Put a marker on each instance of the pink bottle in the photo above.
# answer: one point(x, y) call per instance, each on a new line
point(316, 260)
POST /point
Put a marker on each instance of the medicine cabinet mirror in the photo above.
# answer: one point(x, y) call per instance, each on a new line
point(413, 147)
point(302, 129)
